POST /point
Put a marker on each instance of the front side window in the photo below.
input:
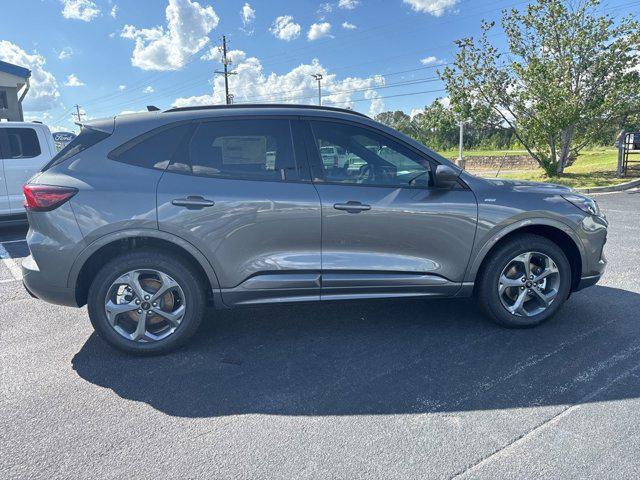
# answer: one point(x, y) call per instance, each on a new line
point(244, 149)
point(356, 155)
point(19, 142)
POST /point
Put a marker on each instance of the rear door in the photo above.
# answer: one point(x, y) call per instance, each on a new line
point(240, 191)
point(386, 229)
point(28, 151)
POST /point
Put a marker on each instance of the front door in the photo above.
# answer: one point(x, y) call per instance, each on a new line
point(386, 229)
point(241, 193)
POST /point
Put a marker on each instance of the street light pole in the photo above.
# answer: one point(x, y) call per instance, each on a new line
point(318, 77)
point(460, 145)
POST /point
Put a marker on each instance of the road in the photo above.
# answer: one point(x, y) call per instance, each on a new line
point(389, 389)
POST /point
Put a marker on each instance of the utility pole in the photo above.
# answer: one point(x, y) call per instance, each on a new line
point(318, 77)
point(226, 72)
point(78, 114)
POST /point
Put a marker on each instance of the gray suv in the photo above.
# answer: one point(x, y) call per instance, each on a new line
point(151, 218)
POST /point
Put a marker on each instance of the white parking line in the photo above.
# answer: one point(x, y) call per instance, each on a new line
point(15, 270)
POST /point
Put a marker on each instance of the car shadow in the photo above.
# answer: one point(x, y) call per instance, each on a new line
point(382, 357)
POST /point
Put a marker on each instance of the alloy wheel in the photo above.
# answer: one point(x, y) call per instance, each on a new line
point(529, 284)
point(145, 305)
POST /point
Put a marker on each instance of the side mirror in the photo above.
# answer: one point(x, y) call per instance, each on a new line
point(446, 176)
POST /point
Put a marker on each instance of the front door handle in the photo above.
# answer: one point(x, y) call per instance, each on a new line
point(193, 202)
point(352, 207)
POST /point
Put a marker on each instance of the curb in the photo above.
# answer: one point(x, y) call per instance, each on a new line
point(613, 188)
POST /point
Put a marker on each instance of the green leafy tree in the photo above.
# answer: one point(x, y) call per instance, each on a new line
point(568, 72)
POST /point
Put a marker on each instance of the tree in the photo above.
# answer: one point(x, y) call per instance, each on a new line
point(568, 72)
point(399, 121)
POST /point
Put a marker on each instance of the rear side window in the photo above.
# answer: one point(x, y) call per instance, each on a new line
point(153, 149)
point(19, 143)
point(244, 149)
point(87, 138)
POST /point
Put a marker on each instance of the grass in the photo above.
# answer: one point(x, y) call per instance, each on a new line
point(482, 153)
point(593, 168)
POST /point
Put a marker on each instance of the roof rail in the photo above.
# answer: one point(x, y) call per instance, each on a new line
point(264, 105)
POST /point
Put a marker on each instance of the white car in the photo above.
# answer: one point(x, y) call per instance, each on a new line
point(25, 148)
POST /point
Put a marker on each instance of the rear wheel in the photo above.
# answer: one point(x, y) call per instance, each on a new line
point(524, 282)
point(146, 302)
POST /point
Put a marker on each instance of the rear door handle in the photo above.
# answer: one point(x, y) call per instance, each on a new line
point(352, 207)
point(193, 202)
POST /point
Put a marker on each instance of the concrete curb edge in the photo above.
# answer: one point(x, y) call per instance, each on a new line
point(613, 188)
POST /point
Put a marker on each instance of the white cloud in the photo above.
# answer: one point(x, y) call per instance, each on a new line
point(43, 94)
point(114, 11)
point(248, 15)
point(445, 102)
point(213, 54)
point(73, 81)
point(432, 7)
point(285, 28)
point(65, 53)
point(348, 4)
point(149, 89)
point(428, 60)
point(122, 88)
point(84, 10)
point(252, 84)
point(319, 30)
point(325, 8)
point(170, 48)
point(348, 26)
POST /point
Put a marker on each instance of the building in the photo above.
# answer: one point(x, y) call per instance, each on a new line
point(14, 85)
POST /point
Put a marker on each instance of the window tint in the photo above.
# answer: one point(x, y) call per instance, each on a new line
point(154, 149)
point(19, 143)
point(84, 140)
point(248, 149)
point(357, 155)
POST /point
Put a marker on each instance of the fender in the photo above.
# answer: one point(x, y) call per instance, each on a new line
point(494, 235)
point(141, 232)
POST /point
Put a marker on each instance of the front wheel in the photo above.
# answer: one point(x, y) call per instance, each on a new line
point(146, 302)
point(524, 282)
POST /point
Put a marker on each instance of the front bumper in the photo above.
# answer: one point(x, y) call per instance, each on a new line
point(39, 287)
point(587, 282)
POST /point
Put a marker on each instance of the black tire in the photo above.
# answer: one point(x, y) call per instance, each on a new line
point(489, 275)
point(180, 271)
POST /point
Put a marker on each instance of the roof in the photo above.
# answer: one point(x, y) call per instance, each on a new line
point(12, 69)
point(272, 106)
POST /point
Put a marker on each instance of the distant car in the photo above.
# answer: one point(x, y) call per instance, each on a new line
point(332, 156)
point(150, 218)
point(25, 147)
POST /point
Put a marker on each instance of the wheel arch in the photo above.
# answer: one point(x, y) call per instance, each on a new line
point(98, 253)
point(560, 234)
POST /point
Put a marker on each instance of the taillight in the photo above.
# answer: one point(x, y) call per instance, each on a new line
point(42, 198)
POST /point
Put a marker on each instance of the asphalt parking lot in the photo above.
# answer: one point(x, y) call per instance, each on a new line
point(389, 389)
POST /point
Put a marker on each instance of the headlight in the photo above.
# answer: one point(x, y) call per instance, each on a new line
point(585, 204)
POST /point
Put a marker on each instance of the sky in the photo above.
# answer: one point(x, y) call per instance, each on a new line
point(115, 56)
